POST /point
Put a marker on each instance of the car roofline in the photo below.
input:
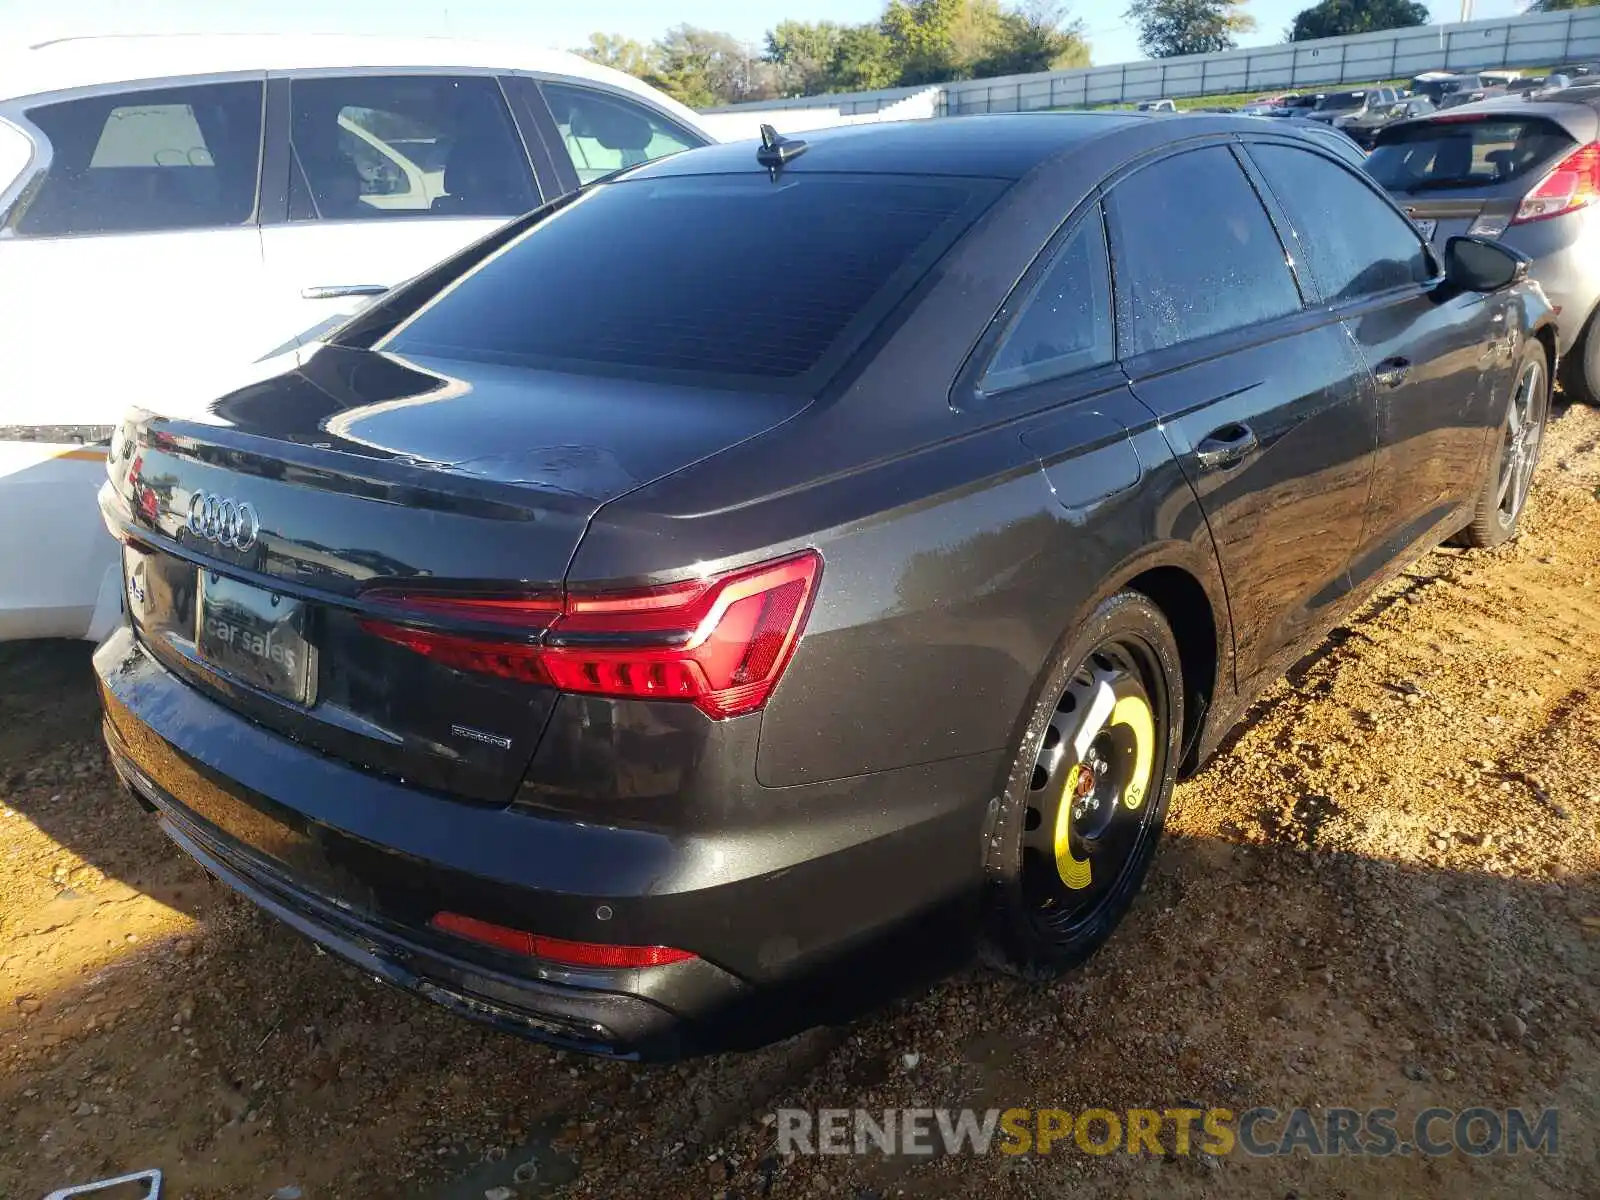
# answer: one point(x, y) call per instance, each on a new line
point(144, 60)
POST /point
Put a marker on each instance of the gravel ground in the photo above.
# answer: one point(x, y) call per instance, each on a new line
point(1383, 892)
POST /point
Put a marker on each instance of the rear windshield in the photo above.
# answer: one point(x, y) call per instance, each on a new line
point(708, 276)
point(1447, 153)
point(1340, 101)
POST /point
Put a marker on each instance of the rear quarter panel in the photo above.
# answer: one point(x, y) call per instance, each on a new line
point(1566, 264)
point(950, 576)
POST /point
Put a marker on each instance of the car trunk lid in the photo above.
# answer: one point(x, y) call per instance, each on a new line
point(266, 537)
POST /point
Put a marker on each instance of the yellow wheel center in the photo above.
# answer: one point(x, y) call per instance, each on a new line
point(1131, 715)
point(1075, 872)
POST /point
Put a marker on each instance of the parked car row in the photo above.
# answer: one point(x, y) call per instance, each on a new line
point(1525, 172)
point(644, 625)
point(176, 209)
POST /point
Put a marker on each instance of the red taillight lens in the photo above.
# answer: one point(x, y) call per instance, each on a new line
point(1573, 183)
point(720, 643)
point(520, 612)
point(505, 659)
point(533, 945)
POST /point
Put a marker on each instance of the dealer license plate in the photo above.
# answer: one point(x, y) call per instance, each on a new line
point(255, 636)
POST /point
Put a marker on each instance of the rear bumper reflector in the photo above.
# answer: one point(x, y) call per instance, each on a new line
point(558, 950)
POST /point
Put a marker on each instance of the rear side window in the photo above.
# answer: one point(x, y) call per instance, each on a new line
point(1355, 244)
point(1065, 322)
point(373, 146)
point(1193, 253)
point(180, 158)
point(603, 133)
point(722, 275)
point(1452, 153)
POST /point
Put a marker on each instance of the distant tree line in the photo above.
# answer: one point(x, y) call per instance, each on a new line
point(918, 42)
point(1171, 27)
point(915, 42)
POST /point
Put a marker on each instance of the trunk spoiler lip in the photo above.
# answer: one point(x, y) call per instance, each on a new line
point(438, 486)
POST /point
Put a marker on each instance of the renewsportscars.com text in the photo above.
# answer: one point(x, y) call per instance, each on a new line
point(1259, 1132)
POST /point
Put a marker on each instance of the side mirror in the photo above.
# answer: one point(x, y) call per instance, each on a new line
point(1478, 264)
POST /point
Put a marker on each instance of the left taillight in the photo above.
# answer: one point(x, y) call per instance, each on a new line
point(720, 643)
point(1573, 183)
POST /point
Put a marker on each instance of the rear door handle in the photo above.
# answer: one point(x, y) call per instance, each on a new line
point(1226, 447)
point(1392, 372)
point(334, 291)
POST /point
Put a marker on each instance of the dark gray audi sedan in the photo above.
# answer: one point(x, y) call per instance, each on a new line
point(779, 555)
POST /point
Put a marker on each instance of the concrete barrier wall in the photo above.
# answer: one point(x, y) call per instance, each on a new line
point(732, 125)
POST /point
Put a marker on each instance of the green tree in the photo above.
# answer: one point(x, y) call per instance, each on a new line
point(922, 35)
point(1560, 5)
point(1172, 27)
point(1036, 37)
point(978, 26)
point(807, 52)
point(1336, 18)
point(864, 61)
point(623, 53)
point(702, 68)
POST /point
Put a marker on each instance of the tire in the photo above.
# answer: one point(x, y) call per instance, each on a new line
point(1062, 874)
point(1508, 474)
point(1580, 370)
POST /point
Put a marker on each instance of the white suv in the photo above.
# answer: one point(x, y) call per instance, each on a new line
point(179, 214)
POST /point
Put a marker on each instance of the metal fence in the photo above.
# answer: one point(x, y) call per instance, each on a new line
point(1532, 39)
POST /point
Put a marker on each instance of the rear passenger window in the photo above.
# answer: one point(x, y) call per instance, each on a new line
point(374, 146)
point(604, 133)
point(1193, 253)
point(1355, 244)
point(1065, 322)
point(180, 158)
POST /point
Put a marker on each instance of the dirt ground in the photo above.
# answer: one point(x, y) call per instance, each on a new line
point(1384, 892)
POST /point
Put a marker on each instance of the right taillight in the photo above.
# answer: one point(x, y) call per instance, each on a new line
point(1573, 183)
point(719, 643)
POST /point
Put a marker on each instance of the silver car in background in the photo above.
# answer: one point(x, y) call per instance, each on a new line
point(1526, 172)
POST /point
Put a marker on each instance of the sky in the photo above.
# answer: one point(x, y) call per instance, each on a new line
point(565, 23)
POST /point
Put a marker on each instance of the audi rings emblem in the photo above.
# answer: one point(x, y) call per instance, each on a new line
point(223, 521)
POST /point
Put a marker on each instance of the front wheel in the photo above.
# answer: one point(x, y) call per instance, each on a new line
point(1088, 791)
point(1509, 475)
